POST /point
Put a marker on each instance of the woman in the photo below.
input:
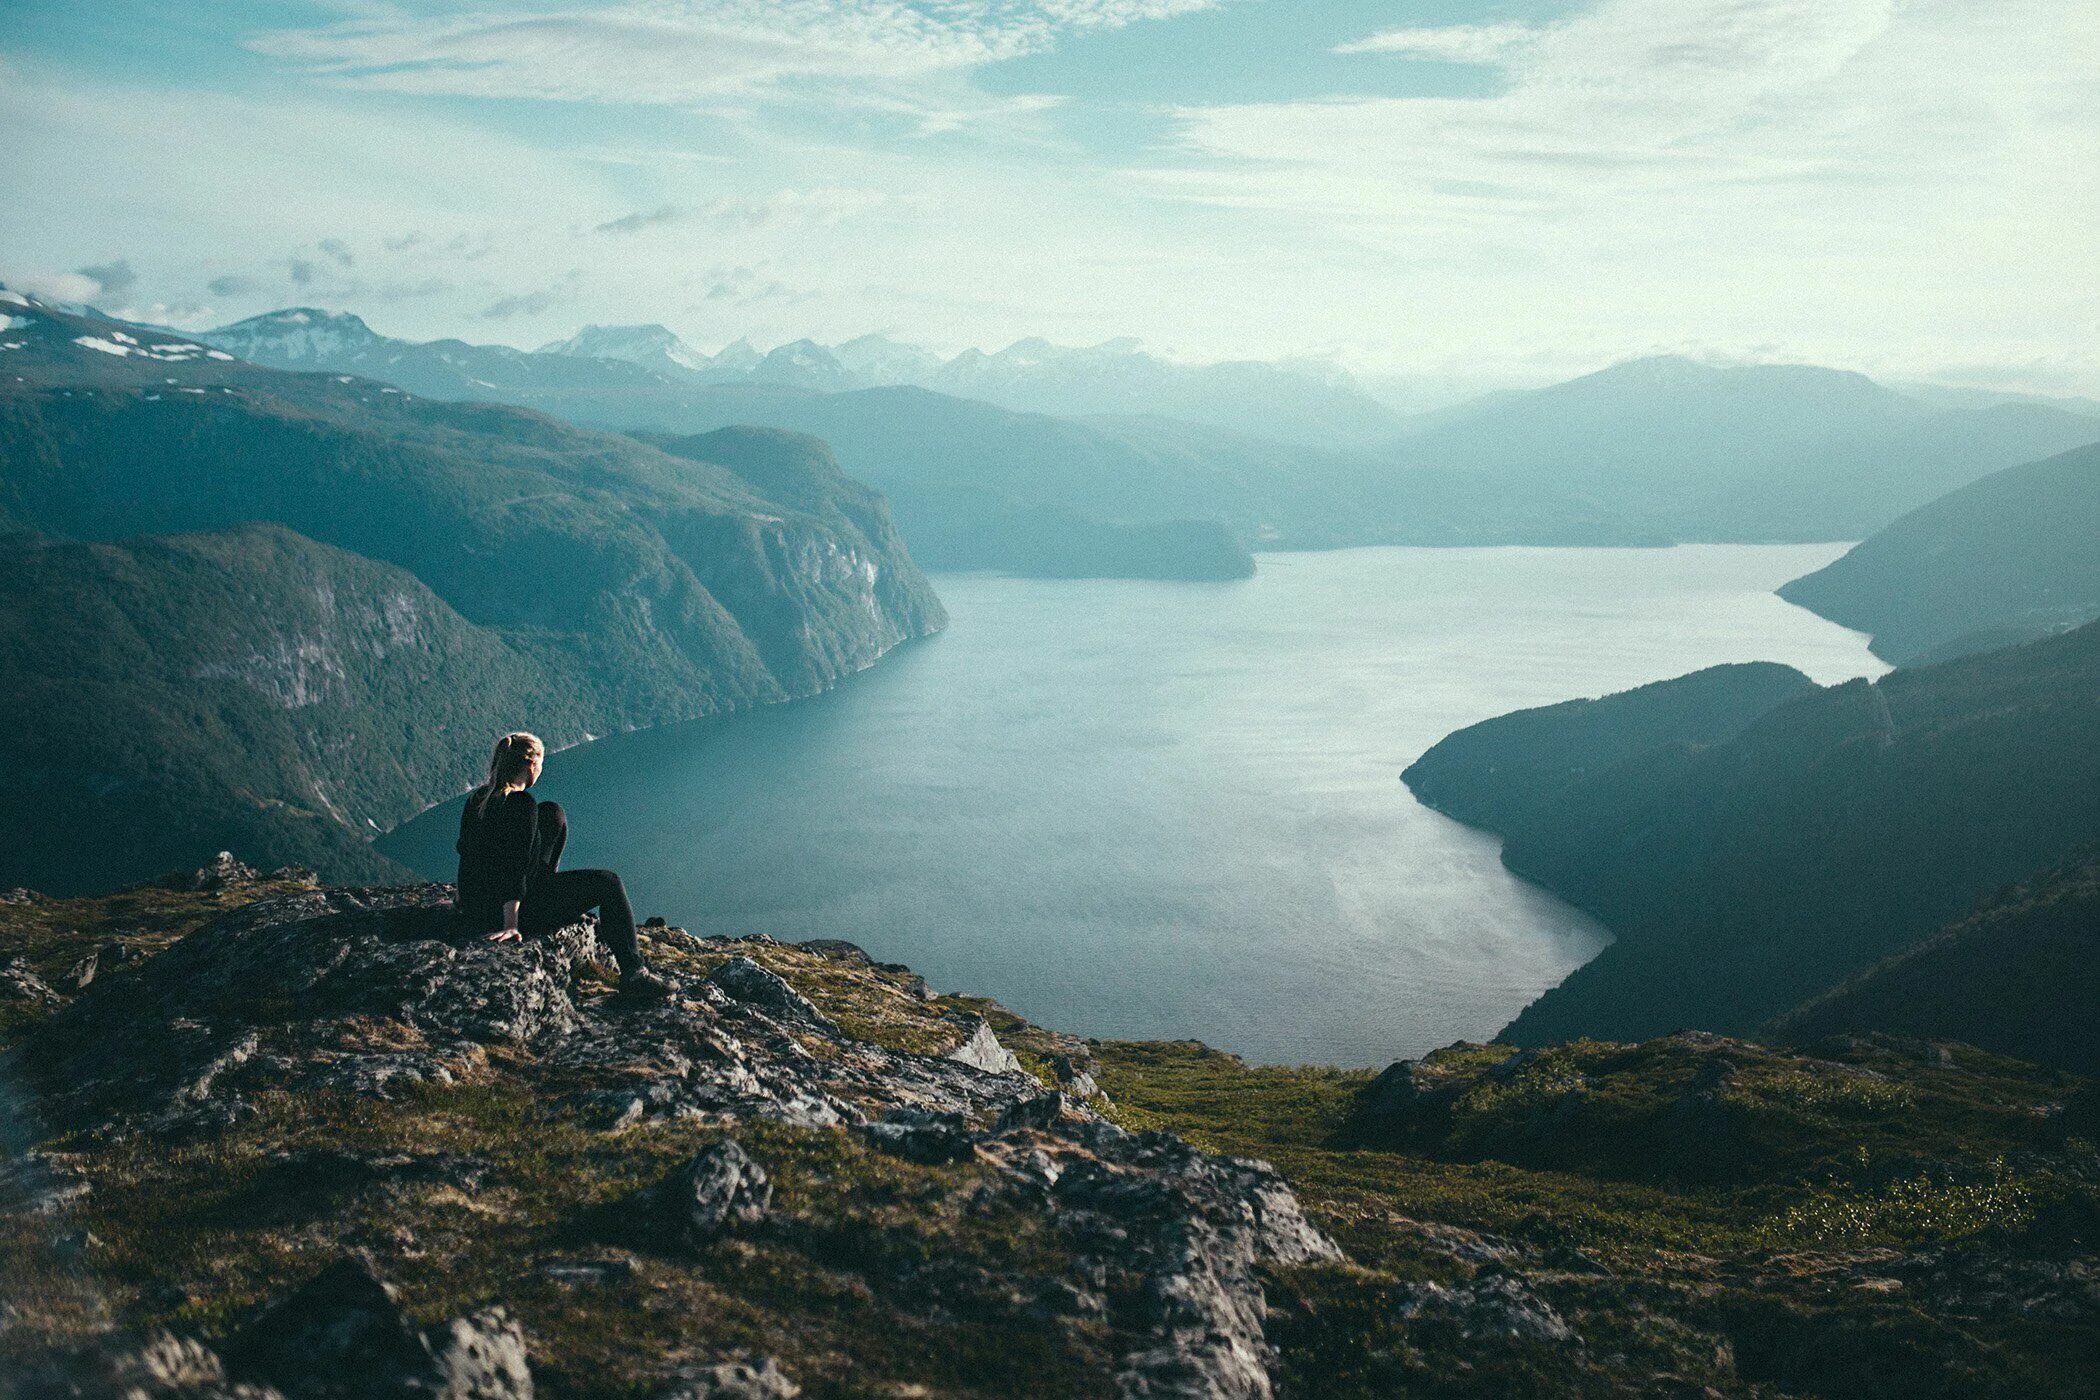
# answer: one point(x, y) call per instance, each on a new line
point(510, 876)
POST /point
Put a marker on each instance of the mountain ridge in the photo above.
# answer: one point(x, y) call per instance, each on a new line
point(638, 587)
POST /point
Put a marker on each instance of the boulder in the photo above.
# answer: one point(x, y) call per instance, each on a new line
point(756, 1378)
point(980, 1049)
point(1039, 1111)
point(221, 871)
point(720, 1190)
point(344, 1336)
point(920, 1135)
point(743, 980)
point(157, 1366)
point(1490, 1307)
point(19, 983)
point(82, 972)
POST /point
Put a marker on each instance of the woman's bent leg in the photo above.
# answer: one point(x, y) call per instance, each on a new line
point(554, 835)
point(556, 899)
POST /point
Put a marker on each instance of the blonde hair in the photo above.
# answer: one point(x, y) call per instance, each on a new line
point(511, 761)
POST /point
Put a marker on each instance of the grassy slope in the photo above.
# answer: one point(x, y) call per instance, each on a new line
point(1778, 1270)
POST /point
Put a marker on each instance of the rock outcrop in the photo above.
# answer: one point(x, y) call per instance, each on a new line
point(365, 995)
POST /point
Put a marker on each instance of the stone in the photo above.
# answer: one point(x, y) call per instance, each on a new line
point(577, 1272)
point(218, 873)
point(1077, 1076)
point(1039, 1112)
point(980, 1049)
point(744, 980)
point(920, 1135)
point(720, 1190)
point(82, 973)
point(479, 1357)
point(1202, 1226)
point(1490, 1307)
point(754, 1378)
point(1398, 1095)
point(344, 1336)
point(157, 1366)
point(19, 983)
point(838, 950)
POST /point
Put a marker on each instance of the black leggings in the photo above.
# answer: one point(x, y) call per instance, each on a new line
point(554, 897)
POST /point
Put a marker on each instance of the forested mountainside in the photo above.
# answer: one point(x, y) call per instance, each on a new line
point(247, 685)
point(2019, 977)
point(669, 587)
point(1744, 875)
point(983, 529)
point(287, 1142)
point(1508, 773)
point(1647, 452)
point(2005, 559)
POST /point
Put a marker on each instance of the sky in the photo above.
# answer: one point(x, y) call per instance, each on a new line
point(1433, 192)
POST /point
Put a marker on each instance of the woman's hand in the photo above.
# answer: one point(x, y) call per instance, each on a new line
point(509, 932)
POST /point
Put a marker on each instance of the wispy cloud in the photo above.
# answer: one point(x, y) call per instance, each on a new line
point(529, 304)
point(822, 207)
point(696, 53)
point(1457, 43)
point(1644, 116)
point(110, 278)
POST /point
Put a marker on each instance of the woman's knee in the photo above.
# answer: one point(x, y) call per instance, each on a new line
point(551, 817)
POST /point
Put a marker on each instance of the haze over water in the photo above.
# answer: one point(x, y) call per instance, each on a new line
point(1173, 810)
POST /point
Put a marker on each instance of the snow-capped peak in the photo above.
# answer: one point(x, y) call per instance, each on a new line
point(649, 345)
point(294, 335)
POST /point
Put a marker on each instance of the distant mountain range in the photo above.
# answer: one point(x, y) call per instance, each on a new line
point(1681, 450)
point(1309, 403)
point(2006, 559)
point(434, 573)
point(1648, 452)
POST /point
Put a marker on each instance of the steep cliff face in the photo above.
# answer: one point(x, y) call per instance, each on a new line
point(641, 588)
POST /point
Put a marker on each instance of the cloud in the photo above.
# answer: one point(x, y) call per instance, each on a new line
point(535, 302)
point(1646, 119)
point(743, 286)
point(57, 286)
point(303, 272)
point(1457, 43)
point(822, 207)
point(529, 304)
point(696, 53)
point(231, 285)
point(338, 251)
point(110, 278)
point(635, 223)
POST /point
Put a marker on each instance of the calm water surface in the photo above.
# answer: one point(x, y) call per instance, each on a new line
point(1174, 810)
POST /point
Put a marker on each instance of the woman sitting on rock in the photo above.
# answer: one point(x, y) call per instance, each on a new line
point(510, 875)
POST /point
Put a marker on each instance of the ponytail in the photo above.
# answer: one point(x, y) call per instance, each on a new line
point(511, 761)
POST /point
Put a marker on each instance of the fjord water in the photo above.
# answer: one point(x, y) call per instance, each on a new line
point(1172, 810)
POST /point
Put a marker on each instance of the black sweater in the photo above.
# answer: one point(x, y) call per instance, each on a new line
point(498, 853)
